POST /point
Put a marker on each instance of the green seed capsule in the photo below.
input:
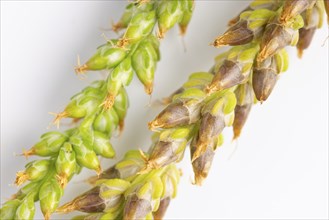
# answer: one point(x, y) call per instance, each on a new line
point(26, 209)
point(187, 7)
point(34, 171)
point(25, 190)
point(102, 145)
point(139, 27)
point(85, 155)
point(120, 76)
point(49, 195)
point(9, 208)
point(169, 13)
point(121, 105)
point(106, 122)
point(106, 57)
point(144, 62)
point(125, 18)
point(49, 144)
point(66, 164)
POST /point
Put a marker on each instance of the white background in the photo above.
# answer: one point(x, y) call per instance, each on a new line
point(280, 168)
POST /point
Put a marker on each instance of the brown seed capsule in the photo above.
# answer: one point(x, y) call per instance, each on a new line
point(264, 78)
point(326, 6)
point(292, 8)
point(136, 208)
point(178, 113)
point(245, 98)
point(228, 75)
point(163, 154)
point(164, 203)
point(241, 113)
point(238, 34)
point(305, 39)
point(275, 38)
point(89, 202)
point(210, 127)
point(110, 173)
point(202, 164)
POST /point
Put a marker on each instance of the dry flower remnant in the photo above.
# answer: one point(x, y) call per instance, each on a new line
point(99, 109)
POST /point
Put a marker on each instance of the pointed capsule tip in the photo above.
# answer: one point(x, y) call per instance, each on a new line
point(47, 215)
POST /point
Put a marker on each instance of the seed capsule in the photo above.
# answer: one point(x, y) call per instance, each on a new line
point(184, 110)
point(27, 189)
point(121, 105)
point(139, 27)
point(120, 76)
point(83, 103)
point(250, 26)
point(49, 195)
point(125, 18)
point(49, 144)
point(245, 97)
point(143, 196)
point(106, 122)
point(9, 208)
point(106, 57)
point(213, 120)
point(34, 171)
point(313, 19)
point(26, 209)
point(89, 202)
point(159, 214)
point(265, 74)
point(144, 62)
point(201, 164)
point(292, 8)
point(235, 69)
point(278, 36)
point(66, 164)
point(125, 169)
point(85, 155)
point(102, 145)
point(169, 12)
point(169, 148)
point(188, 8)
point(326, 7)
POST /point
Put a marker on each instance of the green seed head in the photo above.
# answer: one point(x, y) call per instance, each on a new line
point(26, 209)
point(49, 144)
point(144, 62)
point(106, 57)
point(106, 122)
point(34, 171)
point(85, 155)
point(49, 195)
point(139, 27)
point(102, 145)
point(9, 208)
point(121, 105)
point(187, 7)
point(169, 13)
point(120, 76)
point(66, 164)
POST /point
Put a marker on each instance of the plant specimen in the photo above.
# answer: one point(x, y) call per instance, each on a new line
point(142, 184)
